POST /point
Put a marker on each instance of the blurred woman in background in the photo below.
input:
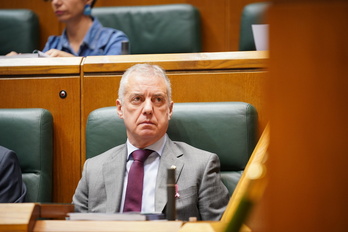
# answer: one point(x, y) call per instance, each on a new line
point(83, 34)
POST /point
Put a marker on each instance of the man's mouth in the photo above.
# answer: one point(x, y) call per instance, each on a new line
point(59, 12)
point(147, 123)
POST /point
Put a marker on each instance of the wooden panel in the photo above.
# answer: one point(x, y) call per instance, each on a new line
point(179, 62)
point(307, 188)
point(42, 91)
point(18, 217)
point(40, 66)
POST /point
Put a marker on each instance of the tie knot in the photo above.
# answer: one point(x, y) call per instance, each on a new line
point(141, 155)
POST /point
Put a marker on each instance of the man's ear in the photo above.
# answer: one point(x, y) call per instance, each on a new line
point(170, 110)
point(119, 108)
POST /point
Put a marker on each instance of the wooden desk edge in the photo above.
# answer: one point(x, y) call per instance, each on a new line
point(180, 61)
point(55, 211)
point(110, 226)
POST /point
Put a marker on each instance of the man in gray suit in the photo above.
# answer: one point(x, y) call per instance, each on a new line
point(144, 103)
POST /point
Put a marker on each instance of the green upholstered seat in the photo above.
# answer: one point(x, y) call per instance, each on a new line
point(170, 28)
point(228, 129)
point(29, 133)
point(253, 13)
point(19, 29)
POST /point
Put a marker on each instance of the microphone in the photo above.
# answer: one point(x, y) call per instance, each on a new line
point(171, 191)
point(124, 48)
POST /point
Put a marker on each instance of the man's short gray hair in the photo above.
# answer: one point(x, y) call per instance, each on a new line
point(146, 70)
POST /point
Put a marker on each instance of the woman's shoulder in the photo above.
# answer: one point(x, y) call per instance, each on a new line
point(52, 42)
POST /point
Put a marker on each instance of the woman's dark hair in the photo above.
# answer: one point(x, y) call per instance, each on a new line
point(92, 4)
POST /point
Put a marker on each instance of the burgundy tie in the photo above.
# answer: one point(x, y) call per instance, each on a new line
point(134, 191)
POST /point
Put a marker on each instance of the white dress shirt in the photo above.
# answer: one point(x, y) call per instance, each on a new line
point(151, 166)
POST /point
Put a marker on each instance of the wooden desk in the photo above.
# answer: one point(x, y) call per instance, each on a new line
point(36, 82)
point(111, 226)
point(23, 217)
point(18, 217)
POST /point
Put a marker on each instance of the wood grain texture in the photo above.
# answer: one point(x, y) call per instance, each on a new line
point(40, 66)
point(16, 217)
point(107, 226)
point(181, 61)
point(25, 90)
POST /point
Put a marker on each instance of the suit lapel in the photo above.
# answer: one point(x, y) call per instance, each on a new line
point(169, 158)
point(113, 171)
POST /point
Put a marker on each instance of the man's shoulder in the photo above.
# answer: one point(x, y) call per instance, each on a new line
point(192, 150)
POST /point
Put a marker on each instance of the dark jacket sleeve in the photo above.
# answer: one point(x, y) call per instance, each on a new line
point(12, 188)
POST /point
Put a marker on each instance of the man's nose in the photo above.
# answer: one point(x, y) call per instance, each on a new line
point(148, 107)
point(56, 2)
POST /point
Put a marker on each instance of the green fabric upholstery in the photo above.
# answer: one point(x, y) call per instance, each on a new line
point(253, 13)
point(228, 129)
point(29, 132)
point(171, 28)
point(19, 29)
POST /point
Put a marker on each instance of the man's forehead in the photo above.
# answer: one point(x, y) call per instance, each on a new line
point(142, 93)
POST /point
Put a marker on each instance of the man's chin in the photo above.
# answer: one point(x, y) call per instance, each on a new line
point(147, 133)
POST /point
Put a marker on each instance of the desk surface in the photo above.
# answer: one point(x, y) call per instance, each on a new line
point(23, 217)
point(179, 61)
point(41, 66)
point(115, 226)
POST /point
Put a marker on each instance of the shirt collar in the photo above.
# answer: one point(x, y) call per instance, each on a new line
point(157, 146)
point(92, 33)
point(88, 40)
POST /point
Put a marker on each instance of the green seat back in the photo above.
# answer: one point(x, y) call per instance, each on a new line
point(171, 28)
point(29, 133)
point(19, 29)
point(228, 129)
point(253, 13)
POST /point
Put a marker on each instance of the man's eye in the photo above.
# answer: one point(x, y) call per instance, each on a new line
point(136, 99)
point(158, 100)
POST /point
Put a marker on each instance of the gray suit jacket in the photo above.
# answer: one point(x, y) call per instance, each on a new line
point(202, 194)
